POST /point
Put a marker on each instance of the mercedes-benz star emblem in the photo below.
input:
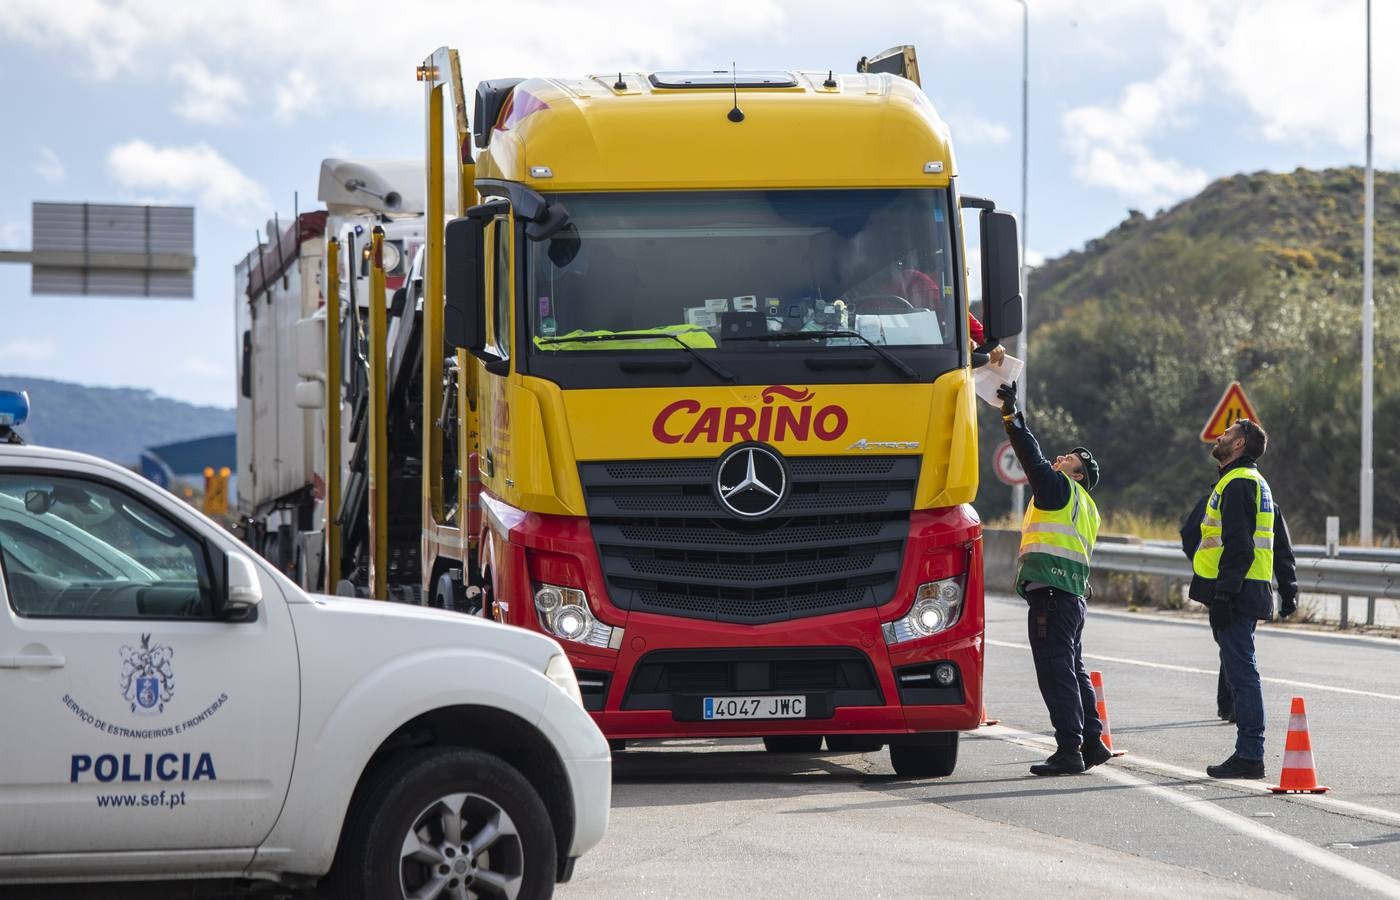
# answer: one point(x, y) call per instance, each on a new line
point(751, 481)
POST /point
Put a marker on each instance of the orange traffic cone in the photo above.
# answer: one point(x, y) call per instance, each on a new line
point(1299, 776)
point(985, 720)
point(1101, 707)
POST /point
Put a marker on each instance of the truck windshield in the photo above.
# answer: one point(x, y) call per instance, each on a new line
point(722, 270)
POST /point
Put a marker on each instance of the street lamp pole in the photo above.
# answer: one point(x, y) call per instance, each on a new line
point(1367, 315)
point(1018, 496)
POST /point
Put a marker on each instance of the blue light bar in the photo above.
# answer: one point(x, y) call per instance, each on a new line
point(14, 408)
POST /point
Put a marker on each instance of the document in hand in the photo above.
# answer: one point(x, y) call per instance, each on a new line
point(988, 378)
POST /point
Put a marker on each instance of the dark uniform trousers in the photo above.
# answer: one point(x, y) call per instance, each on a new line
point(1056, 628)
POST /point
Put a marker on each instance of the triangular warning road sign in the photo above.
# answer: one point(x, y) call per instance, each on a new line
point(1232, 407)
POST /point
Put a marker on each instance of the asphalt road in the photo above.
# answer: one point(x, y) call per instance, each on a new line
point(723, 818)
point(719, 819)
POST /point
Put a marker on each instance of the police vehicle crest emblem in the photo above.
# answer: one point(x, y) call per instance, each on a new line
point(148, 676)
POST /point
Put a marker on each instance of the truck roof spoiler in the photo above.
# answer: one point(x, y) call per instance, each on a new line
point(391, 187)
point(900, 60)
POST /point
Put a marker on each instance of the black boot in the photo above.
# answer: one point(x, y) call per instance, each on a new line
point(1234, 767)
point(1095, 752)
point(1061, 762)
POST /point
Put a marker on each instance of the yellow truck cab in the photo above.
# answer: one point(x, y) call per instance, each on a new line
point(718, 402)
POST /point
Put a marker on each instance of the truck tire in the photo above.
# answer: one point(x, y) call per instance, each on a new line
point(503, 833)
point(448, 594)
point(915, 761)
point(793, 743)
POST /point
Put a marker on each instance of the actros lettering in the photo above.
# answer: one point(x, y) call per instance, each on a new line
point(863, 444)
point(108, 767)
point(690, 421)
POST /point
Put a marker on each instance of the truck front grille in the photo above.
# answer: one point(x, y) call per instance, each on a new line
point(667, 545)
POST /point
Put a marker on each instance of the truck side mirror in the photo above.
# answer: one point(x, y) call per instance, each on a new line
point(464, 319)
point(310, 339)
point(245, 371)
point(310, 394)
point(1003, 312)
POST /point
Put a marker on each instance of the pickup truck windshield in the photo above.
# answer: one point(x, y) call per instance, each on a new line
point(717, 271)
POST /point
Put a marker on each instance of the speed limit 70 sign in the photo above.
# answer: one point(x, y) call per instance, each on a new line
point(1008, 467)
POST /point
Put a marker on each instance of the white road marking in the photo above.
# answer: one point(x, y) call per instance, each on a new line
point(1295, 847)
point(1331, 804)
point(1274, 628)
point(1312, 686)
point(1354, 872)
point(1198, 620)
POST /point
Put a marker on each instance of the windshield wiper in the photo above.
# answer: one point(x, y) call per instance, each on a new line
point(887, 356)
point(635, 335)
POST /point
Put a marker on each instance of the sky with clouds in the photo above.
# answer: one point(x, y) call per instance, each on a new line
point(1135, 104)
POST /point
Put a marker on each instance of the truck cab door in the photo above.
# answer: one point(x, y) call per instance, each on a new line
point(137, 723)
point(494, 460)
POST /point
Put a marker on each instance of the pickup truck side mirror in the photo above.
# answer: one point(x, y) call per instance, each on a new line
point(1003, 312)
point(242, 589)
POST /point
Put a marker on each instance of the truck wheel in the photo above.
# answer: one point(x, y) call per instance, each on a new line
point(793, 743)
point(448, 594)
point(450, 823)
point(912, 761)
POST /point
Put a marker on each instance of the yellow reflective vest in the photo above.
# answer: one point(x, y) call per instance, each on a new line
point(1206, 562)
point(663, 338)
point(1056, 544)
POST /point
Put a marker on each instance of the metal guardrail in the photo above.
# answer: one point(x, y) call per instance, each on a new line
point(1348, 577)
point(1316, 575)
point(1360, 554)
point(1319, 551)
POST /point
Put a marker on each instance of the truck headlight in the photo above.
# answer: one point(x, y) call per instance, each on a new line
point(562, 674)
point(937, 607)
point(565, 613)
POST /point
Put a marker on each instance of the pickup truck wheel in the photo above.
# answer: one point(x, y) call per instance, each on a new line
point(446, 823)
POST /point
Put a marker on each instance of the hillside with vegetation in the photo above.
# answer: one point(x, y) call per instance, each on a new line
point(1257, 279)
point(114, 423)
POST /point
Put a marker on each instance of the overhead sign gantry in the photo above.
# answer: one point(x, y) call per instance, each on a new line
point(110, 249)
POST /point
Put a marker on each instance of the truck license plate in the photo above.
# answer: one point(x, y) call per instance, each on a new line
point(794, 707)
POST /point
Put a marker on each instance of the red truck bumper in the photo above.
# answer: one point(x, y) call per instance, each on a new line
point(833, 642)
point(653, 682)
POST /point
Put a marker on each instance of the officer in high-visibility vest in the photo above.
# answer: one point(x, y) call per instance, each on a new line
point(1243, 544)
point(1285, 575)
point(1052, 574)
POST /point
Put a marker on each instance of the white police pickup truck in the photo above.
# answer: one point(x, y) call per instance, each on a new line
point(172, 707)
